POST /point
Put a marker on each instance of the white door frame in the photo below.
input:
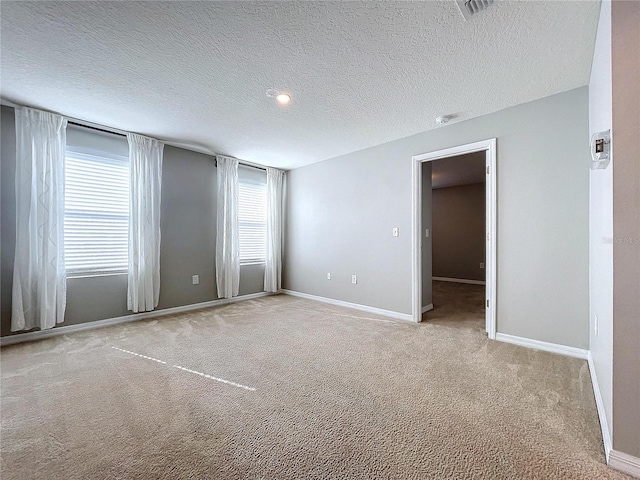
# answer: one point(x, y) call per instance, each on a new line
point(490, 191)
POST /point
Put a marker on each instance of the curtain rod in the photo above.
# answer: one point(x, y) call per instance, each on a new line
point(97, 128)
point(244, 164)
point(104, 128)
point(241, 162)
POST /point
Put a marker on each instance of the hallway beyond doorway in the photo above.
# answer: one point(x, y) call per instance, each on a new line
point(458, 305)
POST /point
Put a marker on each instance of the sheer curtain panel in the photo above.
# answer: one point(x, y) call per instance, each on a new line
point(145, 164)
point(39, 277)
point(273, 263)
point(227, 236)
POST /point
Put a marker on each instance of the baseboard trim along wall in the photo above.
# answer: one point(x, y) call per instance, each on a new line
point(604, 425)
point(42, 334)
point(459, 280)
point(355, 306)
point(545, 346)
point(625, 463)
point(426, 308)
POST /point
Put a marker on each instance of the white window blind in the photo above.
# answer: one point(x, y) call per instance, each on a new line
point(96, 215)
point(252, 222)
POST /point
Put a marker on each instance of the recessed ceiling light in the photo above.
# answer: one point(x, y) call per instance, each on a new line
point(283, 98)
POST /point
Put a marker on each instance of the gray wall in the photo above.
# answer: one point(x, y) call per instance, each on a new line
point(625, 38)
point(7, 212)
point(341, 212)
point(188, 216)
point(427, 242)
point(458, 231)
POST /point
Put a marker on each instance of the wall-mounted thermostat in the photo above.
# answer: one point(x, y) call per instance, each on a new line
point(600, 150)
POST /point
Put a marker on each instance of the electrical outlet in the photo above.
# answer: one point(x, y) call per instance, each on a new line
point(427, 233)
point(481, 265)
point(328, 276)
point(354, 279)
point(595, 325)
point(195, 279)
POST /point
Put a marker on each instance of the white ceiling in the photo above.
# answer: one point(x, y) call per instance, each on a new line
point(460, 170)
point(360, 73)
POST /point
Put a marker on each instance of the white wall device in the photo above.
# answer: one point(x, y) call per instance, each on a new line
point(469, 8)
point(600, 150)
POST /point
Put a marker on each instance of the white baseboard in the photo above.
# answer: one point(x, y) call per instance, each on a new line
point(459, 280)
point(625, 463)
point(604, 425)
point(355, 306)
point(427, 308)
point(42, 334)
point(619, 460)
point(545, 346)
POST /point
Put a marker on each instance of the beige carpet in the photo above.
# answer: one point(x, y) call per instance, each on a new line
point(318, 392)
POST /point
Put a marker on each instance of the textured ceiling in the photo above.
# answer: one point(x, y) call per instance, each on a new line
point(360, 73)
point(461, 170)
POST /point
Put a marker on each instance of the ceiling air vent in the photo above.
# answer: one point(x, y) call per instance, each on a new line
point(470, 8)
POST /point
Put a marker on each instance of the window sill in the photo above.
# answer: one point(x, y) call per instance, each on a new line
point(91, 275)
point(257, 262)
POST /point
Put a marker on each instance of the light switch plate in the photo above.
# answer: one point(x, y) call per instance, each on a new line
point(195, 279)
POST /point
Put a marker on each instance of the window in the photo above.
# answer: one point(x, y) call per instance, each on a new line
point(252, 222)
point(96, 214)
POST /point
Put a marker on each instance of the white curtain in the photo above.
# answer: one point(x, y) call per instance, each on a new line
point(145, 159)
point(273, 267)
point(227, 237)
point(39, 277)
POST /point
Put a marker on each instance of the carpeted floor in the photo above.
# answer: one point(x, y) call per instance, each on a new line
point(458, 305)
point(313, 392)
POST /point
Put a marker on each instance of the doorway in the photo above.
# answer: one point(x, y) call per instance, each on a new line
point(419, 236)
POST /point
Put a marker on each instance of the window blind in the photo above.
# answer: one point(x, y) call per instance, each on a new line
point(96, 216)
point(252, 222)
